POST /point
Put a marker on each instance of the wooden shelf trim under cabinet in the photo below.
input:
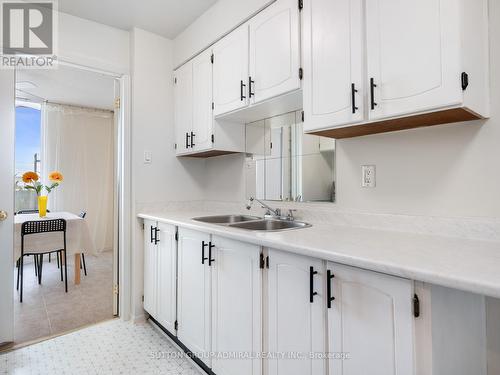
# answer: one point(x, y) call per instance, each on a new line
point(208, 154)
point(426, 119)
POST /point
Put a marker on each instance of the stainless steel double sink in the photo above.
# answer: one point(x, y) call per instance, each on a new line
point(254, 223)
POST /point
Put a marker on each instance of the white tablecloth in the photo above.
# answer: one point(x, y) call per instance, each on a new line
point(78, 239)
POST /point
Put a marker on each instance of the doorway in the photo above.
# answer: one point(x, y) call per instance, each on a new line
point(71, 121)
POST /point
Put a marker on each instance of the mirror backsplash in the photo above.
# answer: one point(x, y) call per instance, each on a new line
point(284, 164)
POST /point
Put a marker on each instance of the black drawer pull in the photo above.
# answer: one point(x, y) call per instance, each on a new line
point(203, 258)
point(242, 85)
point(312, 293)
point(372, 93)
point(187, 140)
point(192, 140)
point(250, 93)
point(330, 298)
point(353, 98)
point(210, 247)
point(151, 234)
point(156, 235)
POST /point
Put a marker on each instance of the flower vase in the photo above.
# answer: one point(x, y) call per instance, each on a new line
point(42, 205)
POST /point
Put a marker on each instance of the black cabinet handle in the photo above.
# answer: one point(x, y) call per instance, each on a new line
point(312, 293)
point(203, 258)
point(156, 235)
point(330, 298)
point(353, 98)
point(187, 140)
point(192, 140)
point(241, 90)
point(151, 234)
point(372, 93)
point(250, 93)
point(210, 247)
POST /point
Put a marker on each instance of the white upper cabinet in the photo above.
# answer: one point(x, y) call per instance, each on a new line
point(333, 62)
point(236, 306)
point(295, 313)
point(183, 106)
point(370, 318)
point(413, 55)
point(274, 51)
point(230, 71)
point(202, 102)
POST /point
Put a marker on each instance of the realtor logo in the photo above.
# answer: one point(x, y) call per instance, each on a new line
point(27, 28)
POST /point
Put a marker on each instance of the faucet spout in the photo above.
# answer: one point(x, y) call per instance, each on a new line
point(270, 210)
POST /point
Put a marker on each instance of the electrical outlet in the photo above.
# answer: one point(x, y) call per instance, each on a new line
point(368, 176)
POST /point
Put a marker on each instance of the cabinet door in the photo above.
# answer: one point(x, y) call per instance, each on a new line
point(231, 71)
point(274, 50)
point(413, 55)
point(236, 306)
point(202, 102)
point(150, 268)
point(194, 292)
point(166, 279)
point(333, 63)
point(371, 320)
point(183, 111)
point(295, 324)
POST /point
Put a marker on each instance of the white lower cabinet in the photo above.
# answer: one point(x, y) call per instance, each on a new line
point(236, 308)
point(370, 320)
point(160, 272)
point(295, 313)
point(194, 293)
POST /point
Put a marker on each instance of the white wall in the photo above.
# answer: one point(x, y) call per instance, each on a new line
point(223, 16)
point(92, 44)
point(167, 178)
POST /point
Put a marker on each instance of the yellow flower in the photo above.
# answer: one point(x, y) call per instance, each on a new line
point(30, 177)
point(55, 176)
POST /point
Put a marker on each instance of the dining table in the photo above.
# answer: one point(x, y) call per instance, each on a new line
point(78, 238)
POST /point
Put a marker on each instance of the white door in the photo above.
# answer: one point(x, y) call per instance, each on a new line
point(201, 136)
point(167, 276)
point(413, 56)
point(230, 78)
point(295, 324)
point(6, 206)
point(150, 268)
point(236, 306)
point(274, 51)
point(333, 63)
point(193, 310)
point(371, 320)
point(183, 107)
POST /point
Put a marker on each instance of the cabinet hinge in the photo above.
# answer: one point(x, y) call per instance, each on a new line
point(302, 116)
point(301, 73)
point(213, 106)
point(213, 138)
point(271, 145)
point(175, 80)
point(176, 325)
point(177, 235)
point(212, 58)
point(465, 81)
point(142, 298)
point(175, 146)
point(143, 226)
point(416, 306)
point(301, 4)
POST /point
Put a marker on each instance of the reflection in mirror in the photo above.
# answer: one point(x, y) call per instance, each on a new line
point(284, 164)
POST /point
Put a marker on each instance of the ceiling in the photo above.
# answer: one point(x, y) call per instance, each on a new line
point(66, 85)
point(164, 17)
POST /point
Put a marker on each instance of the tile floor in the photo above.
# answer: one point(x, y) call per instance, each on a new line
point(47, 310)
point(112, 347)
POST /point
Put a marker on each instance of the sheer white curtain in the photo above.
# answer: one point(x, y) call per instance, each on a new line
point(79, 142)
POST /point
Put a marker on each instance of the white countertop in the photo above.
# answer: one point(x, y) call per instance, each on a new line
point(470, 265)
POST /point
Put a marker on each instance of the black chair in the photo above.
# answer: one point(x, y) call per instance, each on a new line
point(82, 215)
point(39, 226)
point(25, 212)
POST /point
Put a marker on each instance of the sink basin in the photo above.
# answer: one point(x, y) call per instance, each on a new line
point(226, 219)
point(271, 225)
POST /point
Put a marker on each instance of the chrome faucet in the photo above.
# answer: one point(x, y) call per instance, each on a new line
point(273, 212)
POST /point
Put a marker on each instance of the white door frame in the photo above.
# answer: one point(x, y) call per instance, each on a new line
point(7, 119)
